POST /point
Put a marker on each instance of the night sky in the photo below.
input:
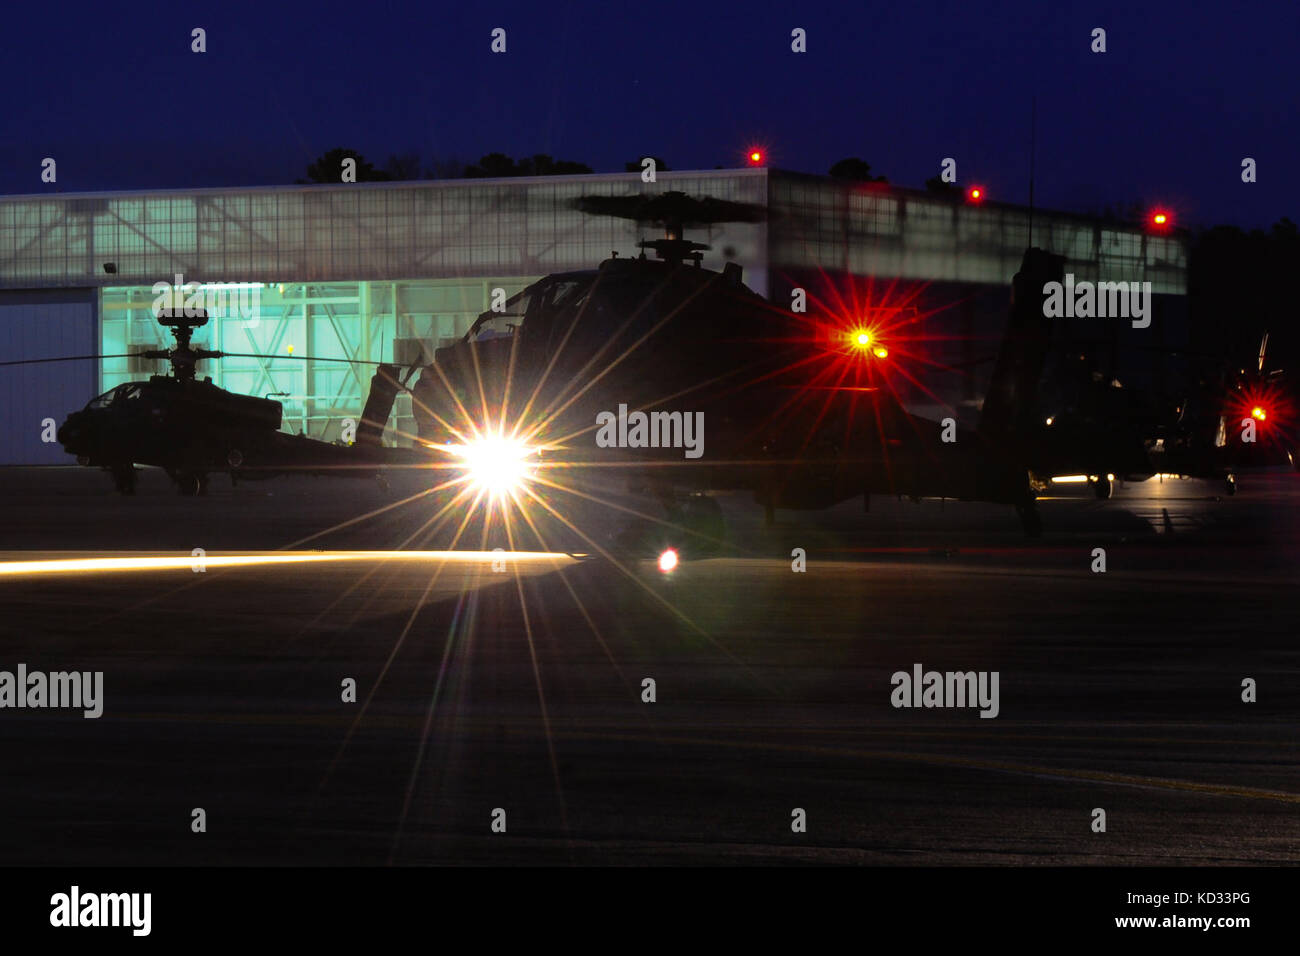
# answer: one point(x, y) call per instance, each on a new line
point(1165, 116)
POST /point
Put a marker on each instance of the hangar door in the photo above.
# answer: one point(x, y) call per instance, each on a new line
point(44, 325)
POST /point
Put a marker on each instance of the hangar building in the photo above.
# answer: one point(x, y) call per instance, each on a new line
point(385, 271)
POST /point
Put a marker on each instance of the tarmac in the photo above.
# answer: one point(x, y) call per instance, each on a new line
point(502, 714)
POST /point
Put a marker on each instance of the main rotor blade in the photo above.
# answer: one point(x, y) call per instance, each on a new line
point(306, 358)
point(672, 206)
point(68, 358)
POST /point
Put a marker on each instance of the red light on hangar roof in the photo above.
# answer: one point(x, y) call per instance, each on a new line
point(756, 157)
point(975, 194)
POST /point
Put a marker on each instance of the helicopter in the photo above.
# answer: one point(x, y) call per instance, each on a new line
point(799, 411)
point(1231, 418)
point(191, 428)
point(1221, 420)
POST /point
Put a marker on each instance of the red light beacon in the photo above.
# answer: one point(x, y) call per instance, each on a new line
point(975, 194)
point(756, 156)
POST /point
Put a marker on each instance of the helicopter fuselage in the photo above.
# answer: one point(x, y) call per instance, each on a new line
point(570, 360)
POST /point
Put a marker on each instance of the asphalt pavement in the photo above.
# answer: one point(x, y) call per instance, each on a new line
point(497, 691)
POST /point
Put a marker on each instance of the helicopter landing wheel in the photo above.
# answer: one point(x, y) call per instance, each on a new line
point(124, 479)
point(1230, 484)
point(1102, 487)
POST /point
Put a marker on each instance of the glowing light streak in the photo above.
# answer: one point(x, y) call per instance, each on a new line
point(189, 562)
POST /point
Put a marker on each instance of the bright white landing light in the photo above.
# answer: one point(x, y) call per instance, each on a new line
point(495, 464)
point(667, 560)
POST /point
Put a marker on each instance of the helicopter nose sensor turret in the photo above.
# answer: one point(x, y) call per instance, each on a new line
point(72, 434)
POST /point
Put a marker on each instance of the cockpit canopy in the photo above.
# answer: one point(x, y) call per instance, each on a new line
point(625, 296)
point(543, 297)
point(119, 395)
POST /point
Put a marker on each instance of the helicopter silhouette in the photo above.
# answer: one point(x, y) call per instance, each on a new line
point(799, 411)
point(191, 428)
point(802, 411)
point(1229, 417)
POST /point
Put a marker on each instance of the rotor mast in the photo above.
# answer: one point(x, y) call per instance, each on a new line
point(183, 357)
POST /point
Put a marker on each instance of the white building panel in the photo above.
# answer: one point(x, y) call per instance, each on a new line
point(33, 395)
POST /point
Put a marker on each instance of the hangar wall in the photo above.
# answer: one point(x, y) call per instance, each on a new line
point(374, 321)
point(356, 232)
point(45, 325)
point(869, 229)
point(341, 271)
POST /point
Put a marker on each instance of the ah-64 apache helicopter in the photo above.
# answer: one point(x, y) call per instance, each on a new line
point(191, 428)
point(797, 410)
point(1215, 421)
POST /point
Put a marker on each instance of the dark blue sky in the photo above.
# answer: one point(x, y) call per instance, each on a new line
point(1184, 92)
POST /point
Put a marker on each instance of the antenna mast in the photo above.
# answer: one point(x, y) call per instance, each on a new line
point(1033, 136)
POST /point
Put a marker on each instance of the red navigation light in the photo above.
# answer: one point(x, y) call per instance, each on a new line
point(756, 157)
point(975, 194)
point(1266, 406)
point(1160, 219)
point(865, 341)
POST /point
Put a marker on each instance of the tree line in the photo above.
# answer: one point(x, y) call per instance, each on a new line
point(403, 167)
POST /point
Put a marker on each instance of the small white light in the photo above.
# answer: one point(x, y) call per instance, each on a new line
point(667, 560)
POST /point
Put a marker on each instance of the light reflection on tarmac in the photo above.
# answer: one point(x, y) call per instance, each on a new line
point(524, 687)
